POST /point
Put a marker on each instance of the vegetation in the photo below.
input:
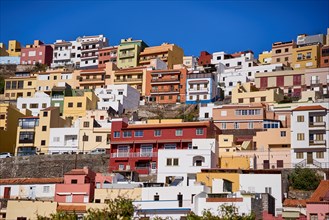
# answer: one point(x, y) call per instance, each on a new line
point(39, 67)
point(304, 179)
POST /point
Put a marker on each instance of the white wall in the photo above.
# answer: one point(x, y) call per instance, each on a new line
point(23, 191)
point(39, 98)
point(206, 109)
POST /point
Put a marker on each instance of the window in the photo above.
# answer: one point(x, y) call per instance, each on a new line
point(156, 197)
point(2, 116)
point(313, 216)
point(170, 146)
point(146, 150)
point(44, 128)
point(43, 142)
point(74, 181)
point(23, 106)
point(286, 50)
point(263, 99)
point(250, 125)
point(123, 151)
point(127, 134)
point(46, 189)
point(139, 133)
point(283, 133)
point(116, 134)
point(300, 136)
point(320, 155)
point(172, 161)
point(98, 138)
point(300, 118)
point(252, 100)
point(56, 139)
point(45, 114)
point(223, 125)
point(239, 63)
point(236, 125)
point(199, 131)
point(179, 132)
point(277, 59)
point(86, 124)
point(299, 155)
point(206, 115)
point(308, 55)
point(120, 93)
point(240, 100)
point(286, 59)
point(44, 105)
point(85, 138)
point(268, 190)
point(70, 104)
point(34, 105)
point(278, 51)
point(79, 104)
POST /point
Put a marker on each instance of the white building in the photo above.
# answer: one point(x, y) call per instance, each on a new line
point(64, 140)
point(29, 188)
point(52, 80)
point(203, 153)
point(201, 88)
point(191, 62)
point(239, 60)
point(67, 53)
point(310, 135)
point(206, 111)
point(118, 97)
point(89, 50)
point(39, 101)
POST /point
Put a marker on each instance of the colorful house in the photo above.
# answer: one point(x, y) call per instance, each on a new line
point(317, 207)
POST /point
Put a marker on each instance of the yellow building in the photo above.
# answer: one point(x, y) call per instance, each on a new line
point(306, 57)
point(3, 51)
point(9, 116)
point(265, 57)
point(247, 93)
point(171, 54)
point(105, 194)
point(128, 52)
point(14, 48)
point(76, 106)
point(19, 86)
point(207, 176)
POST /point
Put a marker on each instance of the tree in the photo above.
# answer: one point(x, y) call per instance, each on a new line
point(304, 179)
point(39, 67)
point(59, 216)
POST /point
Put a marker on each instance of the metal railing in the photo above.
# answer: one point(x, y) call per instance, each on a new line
point(317, 124)
point(164, 90)
point(164, 80)
point(134, 155)
point(301, 163)
point(317, 142)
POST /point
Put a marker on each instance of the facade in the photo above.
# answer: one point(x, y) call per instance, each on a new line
point(78, 187)
point(265, 57)
point(92, 78)
point(14, 48)
point(171, 54)
point(107, 54)
point(191, 62)
point(317, 205)
point(304, 39)
point(166, 86)
point(135, 146)
point(306, 56)
point(282, 52)
point(3, 51)
point(310, 135)
point(9, 60)
point(291, 82)
point(20, 85)
point(248, 93)
point(89, 50)
point(204, 58)
point(324, 62)
point(67, 53)
point(37, 53)
point(9, 116)
point(129, 51)
point(120, 98)
point(239, 60)
point(318, 80)
point(201, 88)
point(39, 101)
point(202, 154)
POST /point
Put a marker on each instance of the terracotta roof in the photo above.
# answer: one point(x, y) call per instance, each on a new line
point(14, 181)
point(93, 70)
point(76, 172)
point(307, 108)
point(321, 193)
point(49, 108)
point(294, 203)
point(77, 208)
point(174, 125)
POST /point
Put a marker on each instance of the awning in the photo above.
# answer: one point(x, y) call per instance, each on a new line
point(310, 150)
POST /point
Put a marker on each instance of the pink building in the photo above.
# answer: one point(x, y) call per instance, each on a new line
point(37, 53)
point(317, 207)
point(78, 187)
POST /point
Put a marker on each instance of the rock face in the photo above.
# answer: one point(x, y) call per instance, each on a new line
point(50, 165)
point(299, 194)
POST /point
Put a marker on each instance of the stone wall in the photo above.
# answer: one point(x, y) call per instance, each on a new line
point(50, 165)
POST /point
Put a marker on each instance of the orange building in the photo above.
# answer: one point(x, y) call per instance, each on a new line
point(107, 54)
point(166, 86)
point(324, 62)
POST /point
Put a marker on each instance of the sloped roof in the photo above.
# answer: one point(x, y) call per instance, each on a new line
point(294, 203)
point(307, 108)
point(321, 193)
point(22, 181)
point(76, 208)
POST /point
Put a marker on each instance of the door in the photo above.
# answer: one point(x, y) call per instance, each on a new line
point(32, 192)
point(6, 194)
point(266, 164)
point(309, 157)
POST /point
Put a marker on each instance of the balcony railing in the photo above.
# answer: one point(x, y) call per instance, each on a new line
point(127, 80)
point(164, 90)
point(317, 142)
point(124, 55)
point(198, 89)
point(164, 80)
point(317, 124)
point(315, 82)
point(134, 155)
point(26, 141)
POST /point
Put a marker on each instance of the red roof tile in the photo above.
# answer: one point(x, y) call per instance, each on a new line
point(21, 181)
point(76, 208)
point(320, 193)
point(307, 108)
point(294, 203)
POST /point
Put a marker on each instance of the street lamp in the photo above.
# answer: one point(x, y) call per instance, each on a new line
point(84, 138)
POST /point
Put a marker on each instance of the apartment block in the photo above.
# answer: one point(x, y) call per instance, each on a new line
point(35, 104)
point(237, 60)
point(107, 54)
point(304, 39)
point(204, 58)
point(310, 135)
point(306, 56)
point(67, 53)
point(129, 51)
point(58, 93)
point(9, 116)
point(14, 48)
point(23, 84)
point(135, 146)
point(89, 50)
point(282, 52)
point(317, 80)
point(201, 88)
point(290, 81)
point(10, 60)
point(38, 52)
point(92, 78)
point(248, 93)
point(166, 86)
point(171, 54)
point(191, 62)
point(324, 62)
point(265, 57)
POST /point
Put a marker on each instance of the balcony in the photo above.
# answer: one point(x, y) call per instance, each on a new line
point(87, 81)
point(128, 80)
point(26, 141)
point(133, 155)
point(84, 49)
point(89, 57)
point(126, 55)
point(198, 90)
point(317, 142)
point(165, 81)
point(321, 124)
point(168, 90)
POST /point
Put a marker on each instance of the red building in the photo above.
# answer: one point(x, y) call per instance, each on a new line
point(107, 54)
point(37, 53)
point(135, 146)
point(78, 187)
point(204, 58)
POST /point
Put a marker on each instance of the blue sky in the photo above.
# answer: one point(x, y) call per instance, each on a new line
point(228, 26)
